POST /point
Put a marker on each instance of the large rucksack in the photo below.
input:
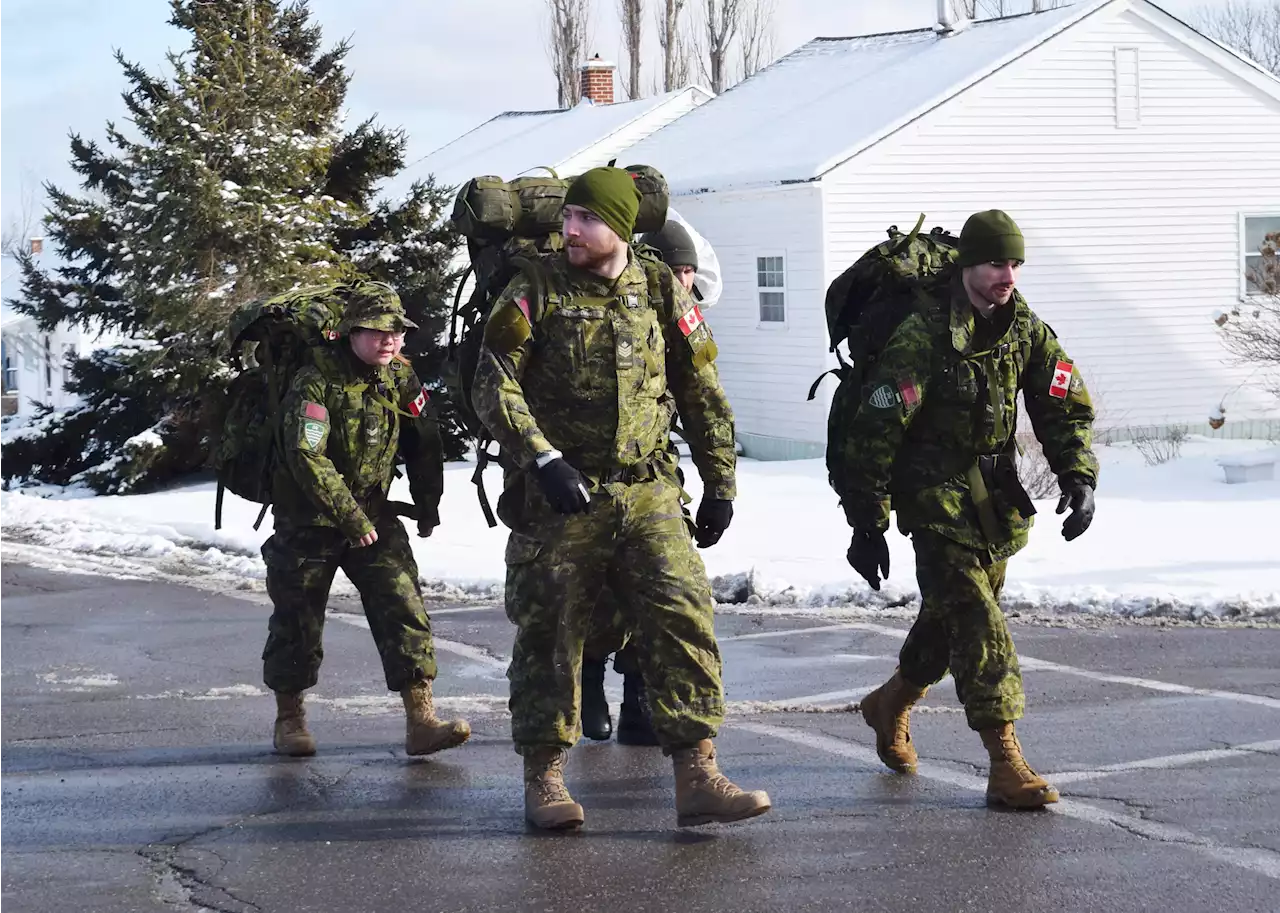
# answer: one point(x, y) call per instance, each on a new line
point(267, 341)
point(511, 227)
point(868, 301)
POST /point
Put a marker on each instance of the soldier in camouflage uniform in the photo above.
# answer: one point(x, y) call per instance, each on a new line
point(933, 438)
point(608, 633)
point(345, 419)
point(578, 379)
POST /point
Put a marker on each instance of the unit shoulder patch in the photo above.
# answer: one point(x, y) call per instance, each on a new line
point(311, 434)
point(883, 397)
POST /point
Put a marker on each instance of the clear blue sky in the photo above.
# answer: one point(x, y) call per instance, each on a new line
point(411, 64)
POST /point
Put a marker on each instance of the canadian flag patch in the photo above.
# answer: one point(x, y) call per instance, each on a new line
point(315, 411)
point(1061, 383)
point(910, 393)
point(420, 402)
point(691, 320)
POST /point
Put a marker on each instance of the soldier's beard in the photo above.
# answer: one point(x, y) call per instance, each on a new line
point(588, 258)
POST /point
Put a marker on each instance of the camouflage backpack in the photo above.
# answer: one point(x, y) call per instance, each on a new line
point(510, 227)
point(267, 341)
point(868, 301)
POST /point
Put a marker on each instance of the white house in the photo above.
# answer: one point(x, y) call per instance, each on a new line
point(568, 140)
point(35, 362)
point(1138, 156)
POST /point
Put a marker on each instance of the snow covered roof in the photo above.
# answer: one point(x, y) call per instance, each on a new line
point(517, 141)
point(833, 97)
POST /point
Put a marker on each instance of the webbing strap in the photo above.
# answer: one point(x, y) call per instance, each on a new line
point(389, 406)
point(477, 479)
point(982, 501)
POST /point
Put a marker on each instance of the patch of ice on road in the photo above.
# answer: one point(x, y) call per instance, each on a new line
point(380, 704)
point(80, 682)
point(225, 693)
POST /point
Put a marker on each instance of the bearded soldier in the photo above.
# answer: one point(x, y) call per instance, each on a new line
point(933, 439)
point(577, 381)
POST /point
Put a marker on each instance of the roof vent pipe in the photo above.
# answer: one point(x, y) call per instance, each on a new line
point(948, 21)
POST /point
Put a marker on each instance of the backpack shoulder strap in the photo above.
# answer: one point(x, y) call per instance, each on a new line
point(547, 292)
point(660, 288)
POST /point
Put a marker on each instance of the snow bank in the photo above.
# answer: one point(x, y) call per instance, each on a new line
point(1170, 541)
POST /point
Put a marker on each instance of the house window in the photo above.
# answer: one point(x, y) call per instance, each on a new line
point(1128, 92)
point(68, 359)
point(10, 374)
point(771, 288)
point(1257, 279)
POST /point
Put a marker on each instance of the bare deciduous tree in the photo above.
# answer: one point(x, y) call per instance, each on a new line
point(674, 42)
point(631, 16)
point(570, 22)
point(757, 43)
point(15, 238)
point(994, 9)
point(721, 21)
point(1251, 27)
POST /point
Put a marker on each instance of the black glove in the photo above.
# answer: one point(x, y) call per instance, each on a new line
point(714, 516)
point(1079, 495)
point(564, 487)
point(869, 553)
point(428, 520)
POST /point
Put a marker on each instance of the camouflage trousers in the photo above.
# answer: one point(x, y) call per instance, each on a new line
point(301, 563)
point(635, 540)
point(961, 627)
point(607, 635)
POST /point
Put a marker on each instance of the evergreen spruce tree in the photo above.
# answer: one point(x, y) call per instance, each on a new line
point(233, 180)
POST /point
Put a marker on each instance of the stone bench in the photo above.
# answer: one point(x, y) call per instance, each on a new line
point(1258, 466)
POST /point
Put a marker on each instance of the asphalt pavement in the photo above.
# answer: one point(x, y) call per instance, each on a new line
point(138, 774)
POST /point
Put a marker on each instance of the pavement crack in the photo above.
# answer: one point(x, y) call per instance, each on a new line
point(1141, 808)
point(183, 886)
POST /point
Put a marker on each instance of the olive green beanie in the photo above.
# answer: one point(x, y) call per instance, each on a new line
point(990, 236)
point(611, 194)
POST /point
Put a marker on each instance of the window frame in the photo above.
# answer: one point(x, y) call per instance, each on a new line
point(761, 323)
point(1246, 252)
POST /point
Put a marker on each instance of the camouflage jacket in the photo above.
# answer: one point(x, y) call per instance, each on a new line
point(341, 444)
point(944, 392)
point(597, 371)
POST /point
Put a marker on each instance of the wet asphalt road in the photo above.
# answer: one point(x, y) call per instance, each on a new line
point(137, 775)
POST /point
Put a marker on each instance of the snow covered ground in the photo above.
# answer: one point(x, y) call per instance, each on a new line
point(1172, 540)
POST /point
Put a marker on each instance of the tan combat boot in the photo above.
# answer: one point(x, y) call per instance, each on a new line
point(423, 732)
point(291, 736)
point(704, 795)
point(1012, 782)
point(887, 710)
point(547, 803)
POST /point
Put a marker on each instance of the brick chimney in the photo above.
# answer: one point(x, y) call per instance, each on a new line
point(597, 81)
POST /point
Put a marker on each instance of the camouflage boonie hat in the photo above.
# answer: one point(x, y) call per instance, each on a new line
point(375, 306)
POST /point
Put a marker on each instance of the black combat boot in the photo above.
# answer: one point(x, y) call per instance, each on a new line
point(635, 725)
point(596, 722)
